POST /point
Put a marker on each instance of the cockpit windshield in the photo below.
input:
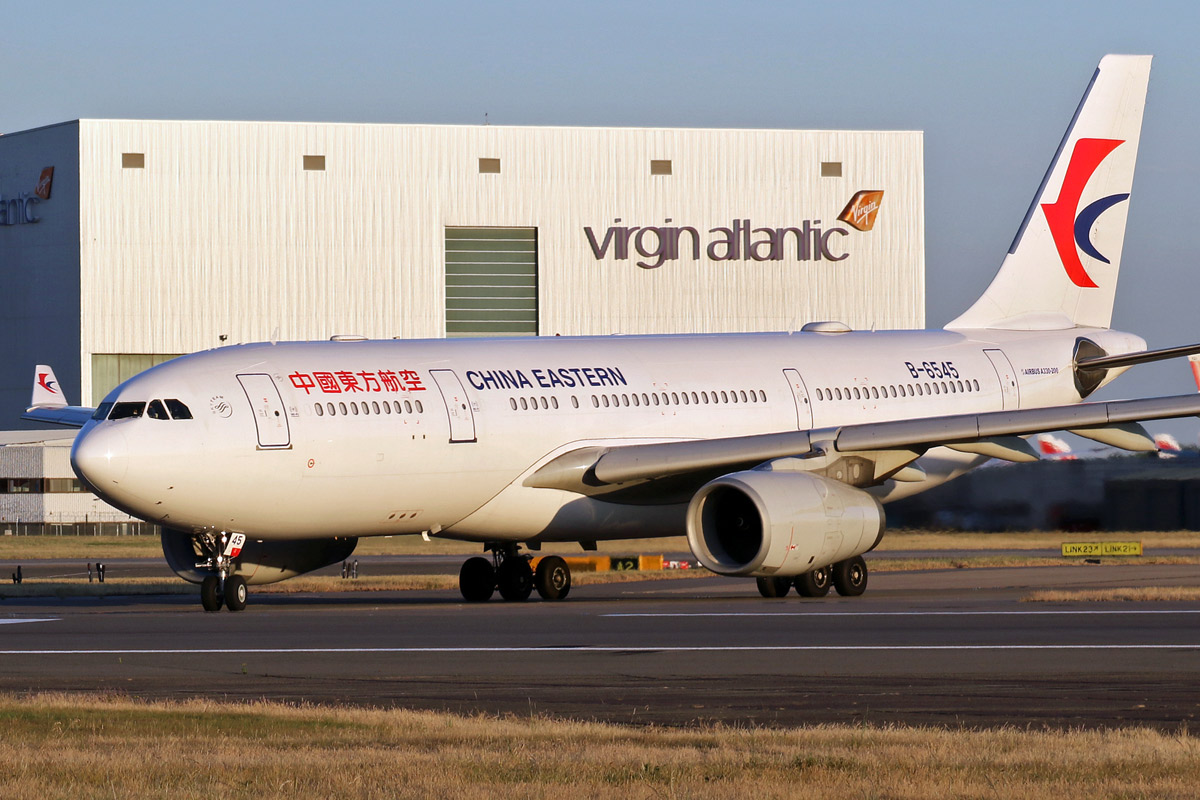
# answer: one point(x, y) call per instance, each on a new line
point(178, 409)
point(127, 410)
point(155, 409)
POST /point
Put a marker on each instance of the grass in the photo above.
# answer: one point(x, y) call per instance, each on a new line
point(1141, 594)
point(59, 746)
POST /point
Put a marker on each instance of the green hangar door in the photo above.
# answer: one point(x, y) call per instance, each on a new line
point(491, 282)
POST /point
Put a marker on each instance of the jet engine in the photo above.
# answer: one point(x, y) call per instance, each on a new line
point(259, 562)
point(764, 524)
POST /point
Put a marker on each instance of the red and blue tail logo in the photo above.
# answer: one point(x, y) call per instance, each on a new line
point(1071, 227)
point(48, 385)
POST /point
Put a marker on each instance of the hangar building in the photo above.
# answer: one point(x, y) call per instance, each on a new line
point(125, 242)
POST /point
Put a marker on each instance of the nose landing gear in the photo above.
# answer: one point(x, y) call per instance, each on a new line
point(221, 587)
point(510, 573)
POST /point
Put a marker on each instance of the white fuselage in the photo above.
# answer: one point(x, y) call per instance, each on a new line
point(365, 438)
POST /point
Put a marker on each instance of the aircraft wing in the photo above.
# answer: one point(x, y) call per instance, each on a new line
point(71, 416)
point(994, 433)
point(47, 403)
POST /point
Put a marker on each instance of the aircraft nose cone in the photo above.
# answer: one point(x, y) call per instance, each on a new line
point(100, 457)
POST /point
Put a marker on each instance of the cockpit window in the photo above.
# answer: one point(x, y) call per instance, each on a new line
point(178, 409)
point(156, 411)
point(102, 411)
point(127, 410)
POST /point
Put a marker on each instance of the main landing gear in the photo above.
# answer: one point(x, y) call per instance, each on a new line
point(510, 572)
point(220, 588)
point(848, 577)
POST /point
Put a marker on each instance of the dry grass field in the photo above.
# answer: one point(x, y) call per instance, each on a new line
point(1140, 594)
point(56, 746)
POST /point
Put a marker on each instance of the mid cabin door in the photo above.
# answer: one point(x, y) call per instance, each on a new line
point(270, 416)
point(804, 417)
point(458, 407)
point(1009, 391)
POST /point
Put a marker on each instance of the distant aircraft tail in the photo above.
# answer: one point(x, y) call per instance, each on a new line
point(46, 391)
point(1061, 270)
point(1054, 448)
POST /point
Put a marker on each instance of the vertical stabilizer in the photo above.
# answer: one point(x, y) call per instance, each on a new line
point(1061, 270)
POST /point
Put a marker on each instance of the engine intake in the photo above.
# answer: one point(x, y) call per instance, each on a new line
point(760, 523)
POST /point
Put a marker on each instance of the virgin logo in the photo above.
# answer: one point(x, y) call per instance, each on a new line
point(862, 209)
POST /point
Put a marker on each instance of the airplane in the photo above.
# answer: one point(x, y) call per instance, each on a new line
point(773, 452)
point(1054, 448)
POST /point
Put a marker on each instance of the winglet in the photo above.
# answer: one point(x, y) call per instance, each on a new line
point(47, 393)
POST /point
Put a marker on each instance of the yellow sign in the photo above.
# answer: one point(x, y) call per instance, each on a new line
point(1101, 549)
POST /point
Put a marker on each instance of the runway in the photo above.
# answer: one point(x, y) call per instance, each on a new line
point(953, 647)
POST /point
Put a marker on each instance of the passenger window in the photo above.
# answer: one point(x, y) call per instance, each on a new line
point(420, 408)
point(354, 409)
point(387, 407)
point(177, 409)
point(554, 402)
point(604, 399)
point(695, 399)
point(574, 401)
point(683, 396)
point(375, 406)
point(512, 401)
point(366, 408)
point(330, 407)
point(645, 399)
point(408, 406)
point(655, 397)
point(320, 409)
point(399, 410)
point(724, 397)
point(544, 403)
point(595, 402)
point(625, 400)
point(524, 404)
point(155, 410)
point(762, 395)
point(675, 398)
point(127, 411)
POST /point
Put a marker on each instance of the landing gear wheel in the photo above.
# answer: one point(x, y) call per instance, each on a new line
point(850, 577)
point(235, 593)
point(514, 579)
point(773, 587)
point(477, 580)
point(814, 583)
point(553, 578)
point(210, 593)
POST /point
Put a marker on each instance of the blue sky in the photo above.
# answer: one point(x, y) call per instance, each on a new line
point(992, 85)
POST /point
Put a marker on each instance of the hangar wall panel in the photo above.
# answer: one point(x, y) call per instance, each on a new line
point(224, 232)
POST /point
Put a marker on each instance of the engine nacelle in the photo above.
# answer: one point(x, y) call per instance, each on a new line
point(259, 562)
point(763, 524)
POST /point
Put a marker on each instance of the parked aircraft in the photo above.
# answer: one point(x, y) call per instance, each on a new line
point(773, 452)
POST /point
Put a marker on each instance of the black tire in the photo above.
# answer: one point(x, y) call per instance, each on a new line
point(514, 579)
point(850, 577)
point(553, 578)
point(477, 580)
point(814, 583)
point(773, 587)
point(236, 593)
point(210, 593)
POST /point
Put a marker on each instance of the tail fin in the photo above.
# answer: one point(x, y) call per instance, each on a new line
point(46, 391)
point(1061, 270)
